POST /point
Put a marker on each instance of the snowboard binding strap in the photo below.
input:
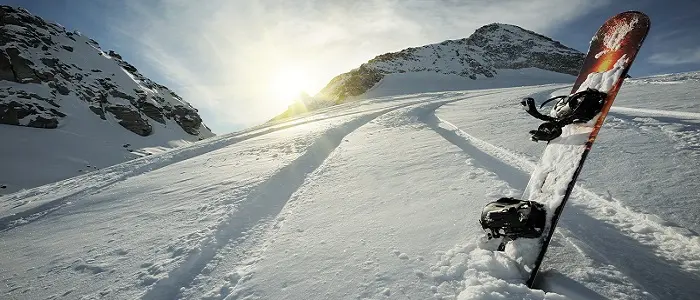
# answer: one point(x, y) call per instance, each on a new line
point(580, 107)
point(512, 218)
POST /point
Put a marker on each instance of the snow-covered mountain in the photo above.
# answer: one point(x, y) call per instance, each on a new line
point(494, 56)
point(489, 51)
point(68, 106)
point(373, 199)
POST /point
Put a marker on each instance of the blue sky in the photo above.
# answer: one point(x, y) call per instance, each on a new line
point(240, 62)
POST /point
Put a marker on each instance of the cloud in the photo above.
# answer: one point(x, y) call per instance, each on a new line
point(677, 57)
point(223, 55)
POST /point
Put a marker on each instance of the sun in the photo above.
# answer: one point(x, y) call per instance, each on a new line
point(287, 84)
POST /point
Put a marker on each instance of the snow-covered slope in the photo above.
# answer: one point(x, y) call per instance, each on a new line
point(426, 82)
point(372, 199)
point(68, 107)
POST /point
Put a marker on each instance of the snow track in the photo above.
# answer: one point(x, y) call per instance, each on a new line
point(196, 246)
point(656, 112)
point(251, 264)
point(265, 202)
point(26, 206)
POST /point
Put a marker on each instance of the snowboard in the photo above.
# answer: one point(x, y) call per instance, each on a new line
point(611, 53)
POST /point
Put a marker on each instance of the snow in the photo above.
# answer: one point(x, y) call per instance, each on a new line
point(85, 144)
point(373, 199)
point(604, 81)
point(422, 82)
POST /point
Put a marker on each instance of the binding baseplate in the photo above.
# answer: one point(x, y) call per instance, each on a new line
point(512, 218)
point(580, 107)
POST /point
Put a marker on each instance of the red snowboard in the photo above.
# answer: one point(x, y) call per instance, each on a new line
point(612, 51)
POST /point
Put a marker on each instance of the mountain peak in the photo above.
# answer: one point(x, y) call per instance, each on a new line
point(502, 31)
point(490, 48)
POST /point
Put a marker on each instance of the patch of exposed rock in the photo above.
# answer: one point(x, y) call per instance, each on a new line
point(44, 68)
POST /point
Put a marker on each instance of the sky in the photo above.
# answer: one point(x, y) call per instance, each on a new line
point(241, 62)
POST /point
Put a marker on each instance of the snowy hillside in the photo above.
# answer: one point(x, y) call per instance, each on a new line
point(68, 107)
point(372, 199)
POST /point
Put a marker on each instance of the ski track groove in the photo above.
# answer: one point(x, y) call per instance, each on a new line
point(120, 172)
point(655, 112)
point(270, 197)
point(267, 200)
point(675, 247)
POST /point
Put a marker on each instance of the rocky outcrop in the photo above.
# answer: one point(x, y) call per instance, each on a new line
point(6, 72)
point(28, 109)
point(44, 67)
point(188, 120)
point(490, 48)
point(21, 67)
point(131, 119)
point(354, 83)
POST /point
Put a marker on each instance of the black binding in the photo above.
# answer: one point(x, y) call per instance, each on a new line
point(580, 107)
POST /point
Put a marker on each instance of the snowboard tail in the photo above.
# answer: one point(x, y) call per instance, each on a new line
point(611, 53)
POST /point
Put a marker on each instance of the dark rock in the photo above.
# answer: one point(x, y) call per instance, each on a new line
point(57, 113)
point(98, 111)
point(47, 41)
point(176, 96)
point(7, 18)
point(356, 82)
point(104, 82)
point(12, 112)
point(41, 122)
point(152, 112)
point(45, 76)
point(68, 48)
point(50, 62)
point(89, 92)
point(128, 67)
point(120, 94)
point(6, 72)
point(187, 119)
point(114, 54)
point(21, 67)
point(9, 113)
point(61, 89)
point(131, 119)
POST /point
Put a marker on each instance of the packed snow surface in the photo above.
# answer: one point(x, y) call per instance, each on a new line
point(375, 199)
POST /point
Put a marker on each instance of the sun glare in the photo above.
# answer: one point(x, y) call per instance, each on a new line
point(287, 84)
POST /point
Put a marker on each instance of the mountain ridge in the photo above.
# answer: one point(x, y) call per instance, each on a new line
point(482, 55)
point(491, 47)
